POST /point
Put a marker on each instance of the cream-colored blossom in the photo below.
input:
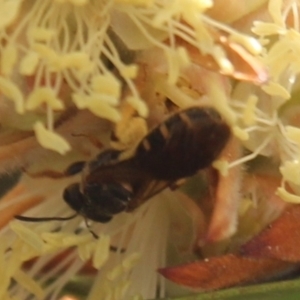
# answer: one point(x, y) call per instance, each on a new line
point(78, 77)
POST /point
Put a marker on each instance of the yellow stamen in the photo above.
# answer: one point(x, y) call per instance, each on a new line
point(8, 59)
point(12, 92)
point(28, 283)
point(102, 250)
point(29, 63)
point(50, 140)
point(275, 89)
point(288, 197)
point(43, 95)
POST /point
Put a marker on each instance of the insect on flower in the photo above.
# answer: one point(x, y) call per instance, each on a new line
point(186, 142)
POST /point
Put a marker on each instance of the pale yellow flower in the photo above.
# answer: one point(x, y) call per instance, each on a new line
point(74, 73)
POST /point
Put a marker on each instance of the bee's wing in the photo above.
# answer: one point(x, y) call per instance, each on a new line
point(146, 190)
point(142, 184)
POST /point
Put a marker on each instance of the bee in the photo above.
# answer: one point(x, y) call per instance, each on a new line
point(186, 142)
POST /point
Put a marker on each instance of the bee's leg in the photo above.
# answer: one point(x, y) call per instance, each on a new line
point(96, 236)
point(73, 169)
point(88, 226)
point(92, 139)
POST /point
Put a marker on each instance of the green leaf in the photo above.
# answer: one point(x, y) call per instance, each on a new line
point(288, 290)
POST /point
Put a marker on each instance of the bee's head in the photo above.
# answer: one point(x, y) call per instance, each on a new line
point(98, 202)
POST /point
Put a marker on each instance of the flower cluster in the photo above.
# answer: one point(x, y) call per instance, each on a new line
point(81, 76)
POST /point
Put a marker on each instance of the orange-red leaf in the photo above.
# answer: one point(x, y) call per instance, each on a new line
point(281, 240)
point(224, 271)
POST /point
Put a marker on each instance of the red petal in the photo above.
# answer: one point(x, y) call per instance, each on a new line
point(223, 223)
point(223, 271)
point(247, 67)
point(281, 240)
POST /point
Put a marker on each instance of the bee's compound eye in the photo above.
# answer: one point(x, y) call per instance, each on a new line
point(73, 197)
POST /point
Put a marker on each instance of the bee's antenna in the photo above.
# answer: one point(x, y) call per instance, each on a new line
point(46, 219)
